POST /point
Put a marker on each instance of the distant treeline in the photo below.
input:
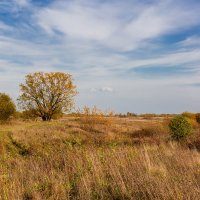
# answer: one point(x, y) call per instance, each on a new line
point(146, 115)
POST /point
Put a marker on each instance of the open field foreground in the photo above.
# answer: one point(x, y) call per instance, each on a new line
point(97, 158)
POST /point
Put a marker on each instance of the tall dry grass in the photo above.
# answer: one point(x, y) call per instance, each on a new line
point(95, 120)
point(62, 160)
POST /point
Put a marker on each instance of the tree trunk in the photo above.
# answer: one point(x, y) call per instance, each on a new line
point(46, 117)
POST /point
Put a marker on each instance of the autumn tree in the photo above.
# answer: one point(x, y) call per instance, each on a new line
point(7, 107)
point(47, 94)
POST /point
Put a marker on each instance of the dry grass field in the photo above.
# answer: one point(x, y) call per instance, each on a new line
point(88, 157)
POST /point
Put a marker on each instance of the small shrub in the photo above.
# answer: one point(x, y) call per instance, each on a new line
point(179, 127)
point(92, 118)
point(7, 107)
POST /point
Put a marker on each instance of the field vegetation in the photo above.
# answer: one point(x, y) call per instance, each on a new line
point(94, 156)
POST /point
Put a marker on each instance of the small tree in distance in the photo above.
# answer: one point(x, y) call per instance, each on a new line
point(7, 107)
point(47, 94)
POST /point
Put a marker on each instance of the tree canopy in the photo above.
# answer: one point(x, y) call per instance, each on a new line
point(46, 94)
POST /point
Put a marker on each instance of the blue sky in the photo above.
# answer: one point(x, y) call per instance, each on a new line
point(139, 56)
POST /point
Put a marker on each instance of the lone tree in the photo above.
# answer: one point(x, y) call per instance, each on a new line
point(47, 94)
point(7, 107)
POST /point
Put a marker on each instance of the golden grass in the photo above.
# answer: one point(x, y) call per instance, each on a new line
point(127, 159)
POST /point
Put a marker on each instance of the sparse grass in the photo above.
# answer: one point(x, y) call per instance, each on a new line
point(125, 159)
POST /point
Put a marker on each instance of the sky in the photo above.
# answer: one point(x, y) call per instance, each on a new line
point(140, 56)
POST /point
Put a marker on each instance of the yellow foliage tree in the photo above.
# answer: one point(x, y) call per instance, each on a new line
point(47, 94)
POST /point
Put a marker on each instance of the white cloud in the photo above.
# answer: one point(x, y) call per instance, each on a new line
point(106, 89)
point(117, 29)
point(93, 90)
point(190, 41)
point(102, 89)
point(14, 6)
point(5, 27)
point(22, 3)
point(170, 59)
point(11, 46)
point(76, 23)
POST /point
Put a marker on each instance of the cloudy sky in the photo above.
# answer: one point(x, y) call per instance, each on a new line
point(140, 56)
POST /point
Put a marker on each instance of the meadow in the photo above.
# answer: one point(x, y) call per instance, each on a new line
point(97, 157)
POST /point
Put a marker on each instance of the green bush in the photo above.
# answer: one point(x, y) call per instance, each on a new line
point(180, 127)
point(7, 107)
